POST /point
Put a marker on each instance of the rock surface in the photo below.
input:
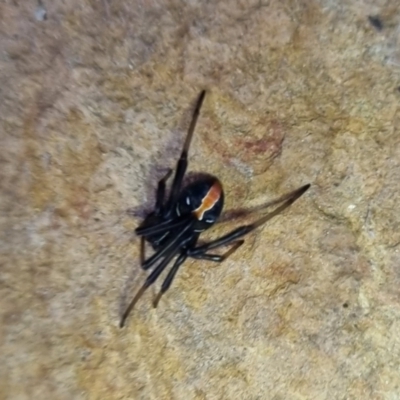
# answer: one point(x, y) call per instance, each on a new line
point(95, 101)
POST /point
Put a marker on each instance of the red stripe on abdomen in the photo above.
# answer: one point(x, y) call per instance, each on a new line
point(208, 201)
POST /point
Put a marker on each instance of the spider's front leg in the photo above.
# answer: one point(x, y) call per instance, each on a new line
point(149, 281)
point(170, 277)
point(183, 162)
point(160, 194)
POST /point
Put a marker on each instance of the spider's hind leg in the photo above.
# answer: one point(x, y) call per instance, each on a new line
point(216, 257)
point(245, 229)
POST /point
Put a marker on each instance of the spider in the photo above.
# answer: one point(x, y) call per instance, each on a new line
point(176, 223)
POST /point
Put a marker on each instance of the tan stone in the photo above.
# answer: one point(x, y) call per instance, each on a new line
point(95, 103)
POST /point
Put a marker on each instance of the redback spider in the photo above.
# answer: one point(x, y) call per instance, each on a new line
point(176, 223)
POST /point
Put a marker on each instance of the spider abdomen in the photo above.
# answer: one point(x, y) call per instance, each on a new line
point(204, 199)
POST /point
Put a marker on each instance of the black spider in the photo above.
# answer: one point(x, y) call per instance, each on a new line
point(175, 225)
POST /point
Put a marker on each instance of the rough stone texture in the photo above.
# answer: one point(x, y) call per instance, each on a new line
point(95, 102)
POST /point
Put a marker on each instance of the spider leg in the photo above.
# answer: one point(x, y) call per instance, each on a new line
point(182, 162)
point(148, 282)
point(245, 229)
point(217, 257)
point(159, 227)
point(239, 213)
point(161, 193)
point(173, 243)
point(181, 259)
point(170, 277)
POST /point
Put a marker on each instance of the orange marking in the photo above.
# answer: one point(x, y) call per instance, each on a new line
point(209, 200)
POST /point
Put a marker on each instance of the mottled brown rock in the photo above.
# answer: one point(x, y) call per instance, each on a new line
point(95, 102)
